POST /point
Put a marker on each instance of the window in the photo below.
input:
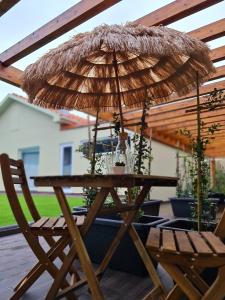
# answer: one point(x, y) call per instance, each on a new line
point(66, 159)
point(30, 157)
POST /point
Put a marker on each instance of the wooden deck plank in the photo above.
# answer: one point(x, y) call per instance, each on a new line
point(16, 252)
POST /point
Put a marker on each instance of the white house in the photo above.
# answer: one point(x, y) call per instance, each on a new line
point(47, 141)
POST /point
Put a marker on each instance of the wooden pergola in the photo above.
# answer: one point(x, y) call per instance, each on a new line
point(163, 120)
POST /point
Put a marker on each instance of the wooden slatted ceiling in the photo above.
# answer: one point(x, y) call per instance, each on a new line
point(5, 5)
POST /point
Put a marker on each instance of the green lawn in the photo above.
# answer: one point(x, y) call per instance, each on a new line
point(46, 204)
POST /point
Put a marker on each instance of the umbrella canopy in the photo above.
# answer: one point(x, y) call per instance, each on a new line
point(132, 61)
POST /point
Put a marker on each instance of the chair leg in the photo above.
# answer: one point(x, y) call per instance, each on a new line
point(184, 283)
point(62, 256)
point(44, 260)
point(175, 294)
point(217, 289)
point(61, 274)
point(38, 269)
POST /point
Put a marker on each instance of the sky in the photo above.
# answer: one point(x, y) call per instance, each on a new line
point(27, 16)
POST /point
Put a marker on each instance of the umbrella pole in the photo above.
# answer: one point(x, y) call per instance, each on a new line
point(93, 162)
point(118, 89)
point(143, 125)
point(199, 159)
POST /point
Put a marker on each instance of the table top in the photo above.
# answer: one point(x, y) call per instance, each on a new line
point(110, 180)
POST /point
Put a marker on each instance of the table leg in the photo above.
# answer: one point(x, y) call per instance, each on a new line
point(128, 218)
point(78, 248)
point(123, 228)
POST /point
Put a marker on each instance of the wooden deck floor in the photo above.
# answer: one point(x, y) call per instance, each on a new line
point(16, 259)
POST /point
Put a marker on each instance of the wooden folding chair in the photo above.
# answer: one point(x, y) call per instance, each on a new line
point(184, 255)
point(13, 173)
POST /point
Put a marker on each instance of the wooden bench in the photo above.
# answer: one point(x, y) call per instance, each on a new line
point(183, 254)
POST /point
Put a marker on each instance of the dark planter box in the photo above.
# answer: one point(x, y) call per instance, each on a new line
point(182, 206)
point(219, 196)
point(150, 207)
point(126, 257)
point(8, 230)
point(183, 224)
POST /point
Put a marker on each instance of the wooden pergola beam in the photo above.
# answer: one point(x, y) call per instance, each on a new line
point(5, 5)
point(204, 90)
point(169, 140)
point(176, 108)
point(11, 75)
point(174, 11)
point(182, 118)
point(217, 54)
point(74, 16)
point(220, 73)
point(210, 31)
point(190, 124)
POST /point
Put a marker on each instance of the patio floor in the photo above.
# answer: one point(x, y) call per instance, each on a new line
point(16, 259)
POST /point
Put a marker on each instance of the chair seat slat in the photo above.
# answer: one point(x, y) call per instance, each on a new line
point(60, 223)
point(215, 243)
point(183, 242)
point(199, 244)
point(168, 241)
point(50, 223)
point(80, 220)
point(39, 223)
point(153, 240)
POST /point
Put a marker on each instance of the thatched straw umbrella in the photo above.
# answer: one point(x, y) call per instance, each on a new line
point(89, 70)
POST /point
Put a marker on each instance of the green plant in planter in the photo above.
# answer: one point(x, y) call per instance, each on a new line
point(146, 155)
point(89, 193)
point(184, 187)
point(199, 172)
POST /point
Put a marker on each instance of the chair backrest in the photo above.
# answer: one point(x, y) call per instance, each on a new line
point(13, 173)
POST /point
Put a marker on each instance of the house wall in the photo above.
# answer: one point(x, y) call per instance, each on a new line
point(23, 127)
